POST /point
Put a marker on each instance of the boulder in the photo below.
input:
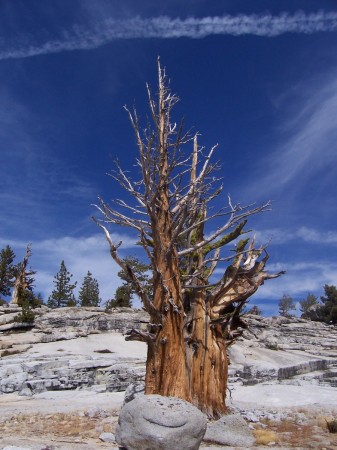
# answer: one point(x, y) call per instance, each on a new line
point(133, 390)
point(153, 422)
point(107, 437)
point(8, 318)
point(231, 430)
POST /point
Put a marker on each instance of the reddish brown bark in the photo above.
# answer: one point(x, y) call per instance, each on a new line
point(206, 361)
point(192, 321)
point(166, 370)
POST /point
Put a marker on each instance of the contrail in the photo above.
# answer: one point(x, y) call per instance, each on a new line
point(164, 27)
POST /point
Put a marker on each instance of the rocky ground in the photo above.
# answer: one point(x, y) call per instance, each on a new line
point(62, 381)
point(87, 420)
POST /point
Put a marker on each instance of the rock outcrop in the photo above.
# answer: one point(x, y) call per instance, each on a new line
point(274, 349)
point(90, 320)
point(279, 348)
point(52, 325)
point(28, 373)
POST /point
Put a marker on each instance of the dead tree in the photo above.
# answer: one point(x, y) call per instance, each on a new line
point(194, 316)
point(23, 282)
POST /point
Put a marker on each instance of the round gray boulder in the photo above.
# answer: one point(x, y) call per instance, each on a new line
point(231, 430)
point(153, 422)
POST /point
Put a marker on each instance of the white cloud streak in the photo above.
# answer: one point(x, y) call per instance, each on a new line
point(308, 144)
point(278, 236)
point(81, 37)
point(313, 144)
point(35, 180)
point(300, 279)
point(317, 237)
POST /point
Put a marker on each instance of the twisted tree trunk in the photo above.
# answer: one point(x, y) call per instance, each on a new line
point(23, 279)
point(165, 367)
point(193, 319)
point(206, 358)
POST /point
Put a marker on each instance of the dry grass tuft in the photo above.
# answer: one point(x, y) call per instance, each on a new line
point(70, 425)
point(265, 437)
point(322, 420)
point(332, 426)
point(301, 429)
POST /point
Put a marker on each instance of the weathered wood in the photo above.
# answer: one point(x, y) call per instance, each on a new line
point(23, 280)
point(192, 319)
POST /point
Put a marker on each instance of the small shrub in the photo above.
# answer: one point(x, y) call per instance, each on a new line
point(272, 347)
point(26, 314)
point(332, 426)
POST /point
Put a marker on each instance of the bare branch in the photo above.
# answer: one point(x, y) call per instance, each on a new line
point(234, 219)
point(138, 335)
point(131, 208)
point(214, 263)
point(140, 290)
point(198, 180)
point(119, 219)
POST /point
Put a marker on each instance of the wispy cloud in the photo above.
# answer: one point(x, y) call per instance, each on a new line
point(33, 173)
point(318, 237)
point(313, 142)
point(300, 278)
point(81, 37)
point(278, 236)
point(307, 143)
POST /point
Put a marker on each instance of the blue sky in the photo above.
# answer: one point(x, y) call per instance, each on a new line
point(259, 78)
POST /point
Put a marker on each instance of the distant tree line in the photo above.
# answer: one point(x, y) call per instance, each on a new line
point(63, 292)
point(312, 308)
point(17, 280)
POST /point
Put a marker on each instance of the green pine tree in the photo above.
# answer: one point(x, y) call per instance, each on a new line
point(141, 270)
point(286, 304)
point(89, 292)
point(122, 298)
point(308, 306)
point(7, 269)
point(329, 308)
point(27, 302)
point(255, 310)
point(63, 294)
point(39, 299)
point(124, 293)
